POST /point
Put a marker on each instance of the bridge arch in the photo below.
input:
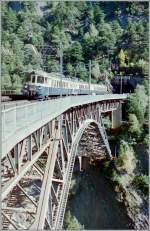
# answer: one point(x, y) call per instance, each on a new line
point(73, 154)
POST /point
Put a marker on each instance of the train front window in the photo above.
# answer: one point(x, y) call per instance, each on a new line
point(40, 79)
point(33, 78)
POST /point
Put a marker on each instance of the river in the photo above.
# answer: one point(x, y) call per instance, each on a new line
point(94, 204)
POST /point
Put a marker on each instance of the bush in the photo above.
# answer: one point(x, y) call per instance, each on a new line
point(106, 167)
point(142, 183)
point(70, 222)
point(137, 103)
point(134, 126)
point(126, 160)
point(115, 178)
point(146, 140)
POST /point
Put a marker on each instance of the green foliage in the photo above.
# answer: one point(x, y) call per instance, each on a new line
point(121, 57)
point(96, 70)
point(146, 140)
point(134, 126)
point(106, 167)
point(81, 71)
point(126, 160)
point(69, 70)
point(142, 183)
point(115, 178)
point(83, 29)
point(135, 38)
point(70, 222)
point(93, 32)
point(137, 103)
point(76, 52)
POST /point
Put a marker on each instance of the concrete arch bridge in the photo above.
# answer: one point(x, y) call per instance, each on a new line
point(40, 144)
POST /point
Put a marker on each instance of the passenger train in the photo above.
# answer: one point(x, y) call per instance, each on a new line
point(41, 85)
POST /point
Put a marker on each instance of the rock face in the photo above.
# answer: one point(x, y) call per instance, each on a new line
point(136, 203)
point(137, 209)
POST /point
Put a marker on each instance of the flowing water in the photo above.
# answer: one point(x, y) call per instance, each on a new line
point(95, 205)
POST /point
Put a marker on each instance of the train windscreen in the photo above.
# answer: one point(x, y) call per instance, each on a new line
point(40, 79)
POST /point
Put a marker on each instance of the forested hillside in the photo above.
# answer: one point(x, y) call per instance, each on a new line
point(104, 32)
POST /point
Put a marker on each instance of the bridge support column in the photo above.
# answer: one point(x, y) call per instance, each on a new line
point(80, 163)
point(83, 163)
point(117, 117)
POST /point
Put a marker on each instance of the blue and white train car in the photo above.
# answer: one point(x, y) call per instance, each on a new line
point(41, 85)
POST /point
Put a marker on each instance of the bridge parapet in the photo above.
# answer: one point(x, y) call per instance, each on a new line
point(18, 122)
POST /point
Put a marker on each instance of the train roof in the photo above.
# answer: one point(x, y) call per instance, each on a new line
point(45, 74)
point(57, 75)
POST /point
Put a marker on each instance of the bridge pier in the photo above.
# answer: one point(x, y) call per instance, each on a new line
point(117, 117)
point(83, 163)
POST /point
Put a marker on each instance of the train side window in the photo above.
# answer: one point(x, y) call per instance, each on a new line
point(40, 79)
point(45, 80)
point(53, 83)
point(33, 79)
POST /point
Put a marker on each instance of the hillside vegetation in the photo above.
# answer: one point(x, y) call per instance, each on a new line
point(104, 32)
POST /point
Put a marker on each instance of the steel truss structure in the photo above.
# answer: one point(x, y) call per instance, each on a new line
point(36, 173)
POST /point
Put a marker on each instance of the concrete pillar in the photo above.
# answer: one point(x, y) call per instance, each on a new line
point(80, 163)
point(83, 162)
point(117, 117)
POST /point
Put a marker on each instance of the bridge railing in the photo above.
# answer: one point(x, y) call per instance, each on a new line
point(8, 92)
point(24, 115)
point(18, 117)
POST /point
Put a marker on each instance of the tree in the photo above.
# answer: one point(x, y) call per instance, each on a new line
point(137, 103)
point(96, 70)
point(116, 28)
point(121, 57)
point(142, 183)
point(93, 32)
point(81, 71)
point(31, 57)
point(69, 70)
point(75, 53)
point(52, 65)
point(59, 36)
point(126, 160)
point(87, 30)
point(134, 126)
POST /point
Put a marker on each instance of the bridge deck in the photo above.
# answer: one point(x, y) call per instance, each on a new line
point(19, 122)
